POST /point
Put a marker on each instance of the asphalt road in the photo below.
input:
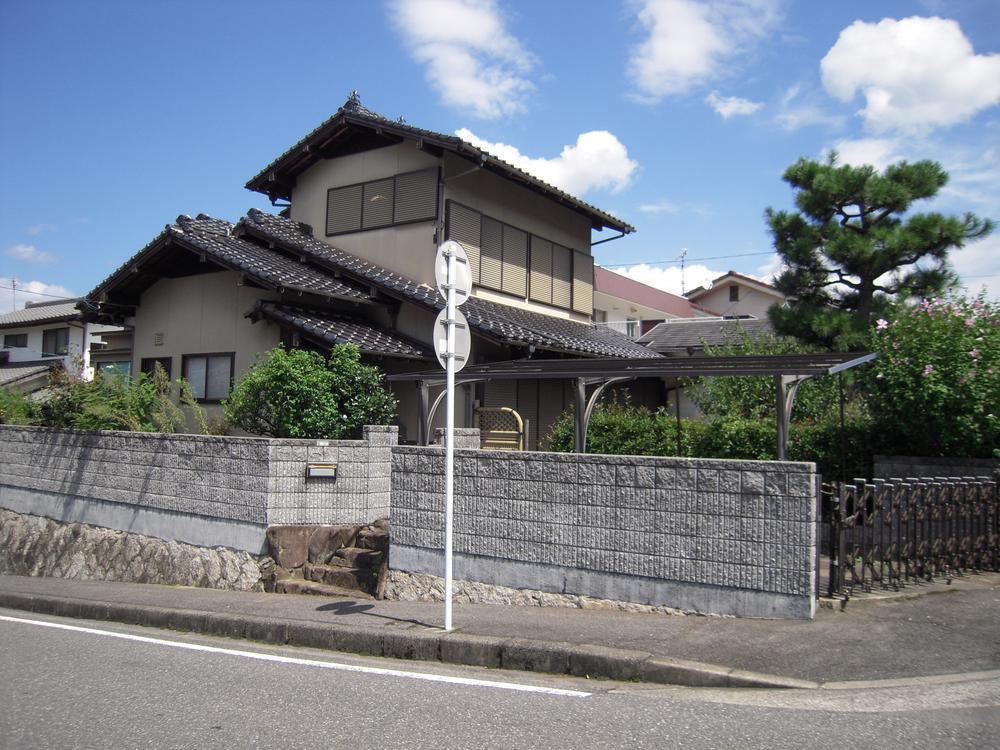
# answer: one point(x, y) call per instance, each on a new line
point(130, 687)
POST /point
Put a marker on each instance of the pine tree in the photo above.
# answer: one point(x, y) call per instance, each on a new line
point(852, 248)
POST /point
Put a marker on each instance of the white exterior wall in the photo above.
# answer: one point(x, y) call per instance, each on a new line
point(77, 359)
point(752, 301)
point(202, 314)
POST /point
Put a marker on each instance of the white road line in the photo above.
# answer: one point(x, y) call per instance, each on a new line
point(306, 662)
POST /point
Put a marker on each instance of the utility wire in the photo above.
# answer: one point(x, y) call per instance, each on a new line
point(17, 288)
point(677, 259)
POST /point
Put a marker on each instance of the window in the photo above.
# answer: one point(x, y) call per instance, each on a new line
point(15, 341)
point(114, 369)
point(734, 293)
point(55, 342)
point(401, 199)
point(510, 260)
point(210, 375)
point(147, 364)
point(631, 327)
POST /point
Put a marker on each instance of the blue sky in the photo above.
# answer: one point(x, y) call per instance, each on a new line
point(678, 116)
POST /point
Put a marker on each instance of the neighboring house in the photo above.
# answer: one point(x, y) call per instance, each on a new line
point(351, 260)
point(42, 335)
point(633, 308)
point(735, 295)
point(689, 337)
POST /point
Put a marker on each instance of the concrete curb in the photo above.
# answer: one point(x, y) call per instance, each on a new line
point(551, 657)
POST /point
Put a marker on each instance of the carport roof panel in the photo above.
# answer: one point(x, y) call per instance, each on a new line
point(688, 367)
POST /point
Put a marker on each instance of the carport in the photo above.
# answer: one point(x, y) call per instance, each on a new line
point(789, 371)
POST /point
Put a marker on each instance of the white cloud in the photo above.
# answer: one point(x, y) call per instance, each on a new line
point(670, 278)
point(878, 152)
point(689, 42)
point(597, 160)
point(915, 74)
point(28, 291)
point(664, 206)
point(36, 229)
point(472, 61)
point(978, 265)
point(29, 254)
point(794, 113)
point(770, 270)
point(727, 106)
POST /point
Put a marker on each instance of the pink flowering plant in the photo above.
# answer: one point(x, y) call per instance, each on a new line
point(935, 389)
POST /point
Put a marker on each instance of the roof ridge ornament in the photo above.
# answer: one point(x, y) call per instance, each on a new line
point(353, 102)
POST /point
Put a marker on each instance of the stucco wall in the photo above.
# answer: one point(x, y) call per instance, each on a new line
point(203, 314)
point(751, 302)
point(729, 537)
point(199, 489)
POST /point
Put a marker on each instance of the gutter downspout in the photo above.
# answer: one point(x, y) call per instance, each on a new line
point(608, 239)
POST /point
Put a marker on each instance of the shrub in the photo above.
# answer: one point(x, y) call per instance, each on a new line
point(935, 390)
point(17, 408)
point(114, 402)
point(301, 394)
point(821, 442)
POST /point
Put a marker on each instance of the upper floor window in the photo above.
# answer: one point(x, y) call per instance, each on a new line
point(55, 342)
point(210, 375)
point(734, 293)
point(511, 260)
point(401, 199)
point(15, 340)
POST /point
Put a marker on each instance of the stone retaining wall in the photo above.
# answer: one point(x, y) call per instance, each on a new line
point(714, 536)
point(205, 490)
point(35, 546)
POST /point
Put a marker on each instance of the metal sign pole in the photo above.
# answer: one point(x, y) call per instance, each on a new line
point(449, 446)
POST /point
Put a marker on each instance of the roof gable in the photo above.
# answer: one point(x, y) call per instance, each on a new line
point(738, 279)
point(354, 128)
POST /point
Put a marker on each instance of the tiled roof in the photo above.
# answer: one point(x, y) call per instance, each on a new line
point(37, 314)
point(304, 153)
point(214, 238)
point(696, 333)
point(330, 329)
point(509, 324)
point(12, 375)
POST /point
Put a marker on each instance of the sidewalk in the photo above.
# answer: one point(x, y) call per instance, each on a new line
point(950, 630)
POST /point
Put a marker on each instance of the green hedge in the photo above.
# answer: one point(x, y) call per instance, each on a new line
point(636, 431)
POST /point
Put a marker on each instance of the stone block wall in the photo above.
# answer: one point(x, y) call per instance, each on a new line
point(206, 490)
point(727, 537)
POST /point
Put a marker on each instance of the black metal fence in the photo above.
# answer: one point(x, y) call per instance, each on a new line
point(892, 532)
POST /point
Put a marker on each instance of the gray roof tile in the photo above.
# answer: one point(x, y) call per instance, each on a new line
point(39, 314)
point(509, 324)
point(330, 329)
point(696, 333)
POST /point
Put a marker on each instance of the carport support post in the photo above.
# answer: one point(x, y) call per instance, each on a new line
point(779, 399)
point(580, 417)
point(423, 418)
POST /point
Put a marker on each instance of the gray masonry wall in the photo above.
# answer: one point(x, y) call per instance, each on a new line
point(915, 466)
point(725, 537)
point(204, 490)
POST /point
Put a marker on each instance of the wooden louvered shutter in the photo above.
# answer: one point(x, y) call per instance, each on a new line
point(378, 200)
point(562, 276)
point(541, 270)
point(515, 261)
point(464, 227)
point(500, 393)
point(491, 264)
point(416, 196)
point(550, 406)
point(343, 209)
point(527, 407)
point(583, 283)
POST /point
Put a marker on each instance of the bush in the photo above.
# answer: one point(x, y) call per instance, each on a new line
point(17, 408)
point(115, 402)
point(935, 390)
point(821, 441)
point(301, 394)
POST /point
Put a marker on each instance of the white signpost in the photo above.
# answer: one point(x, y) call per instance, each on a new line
point(452, 342)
